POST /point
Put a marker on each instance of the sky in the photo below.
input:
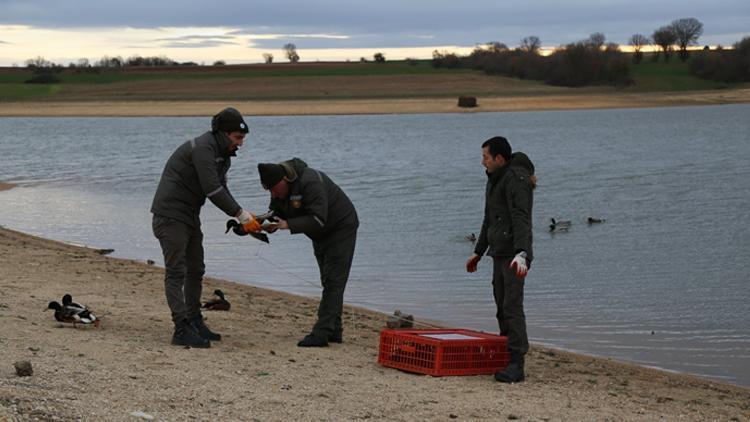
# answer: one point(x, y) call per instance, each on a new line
point(65, 31)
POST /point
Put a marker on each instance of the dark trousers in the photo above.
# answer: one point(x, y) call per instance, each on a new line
point(334, 256)
point(508, 292)
point(182, 246)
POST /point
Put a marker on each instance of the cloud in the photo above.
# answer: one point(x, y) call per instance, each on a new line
point(385, 23)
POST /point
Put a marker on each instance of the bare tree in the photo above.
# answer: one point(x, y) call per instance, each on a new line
point(38, 62)
point(687, 31)
point(268, 58)
point(638, 41)
point(290, 50)
point(496, 47)
point(665, 38)
point(596, 40)
point(531, 44)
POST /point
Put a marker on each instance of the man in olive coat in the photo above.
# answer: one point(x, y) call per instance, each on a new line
point(306, 200)
point(196, 170)
point(506, 231)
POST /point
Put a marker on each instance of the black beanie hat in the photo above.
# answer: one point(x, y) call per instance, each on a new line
point(228, 120)
point(270, 174)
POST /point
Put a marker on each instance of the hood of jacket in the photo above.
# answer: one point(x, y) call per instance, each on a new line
point(519, 159)
point(293, 168)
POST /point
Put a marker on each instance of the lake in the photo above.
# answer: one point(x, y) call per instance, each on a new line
point(662, 282)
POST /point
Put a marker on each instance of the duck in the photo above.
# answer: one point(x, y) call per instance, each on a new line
point(236, 227)
point(73, 315)
point(218, 303)
point(67, 301)
point(559, 226)
point(592, 220)
point(471, 238)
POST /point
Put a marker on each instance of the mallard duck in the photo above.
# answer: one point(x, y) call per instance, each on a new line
point(559, 226)
point(67, 301)
point(592, 220)
point(218, 303)
point(72, 314)
point(236, 227)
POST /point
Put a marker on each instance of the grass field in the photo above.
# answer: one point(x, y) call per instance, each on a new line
point(316, 81)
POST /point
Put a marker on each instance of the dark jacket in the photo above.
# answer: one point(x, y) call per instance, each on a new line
point(506, 228)
point(316, 206)
point(196, 170)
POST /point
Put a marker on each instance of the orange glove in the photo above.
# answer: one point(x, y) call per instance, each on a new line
point(249, 223)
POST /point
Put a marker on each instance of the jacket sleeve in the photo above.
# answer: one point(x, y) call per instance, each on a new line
point(315, 204)
point(211, 182)
point(519, 196)
point(481, 247)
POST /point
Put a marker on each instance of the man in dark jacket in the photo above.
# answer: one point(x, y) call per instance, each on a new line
point(196, 170)
point(506, 231)
point(305, 200)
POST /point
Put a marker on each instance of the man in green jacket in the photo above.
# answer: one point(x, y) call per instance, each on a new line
point(196, 170)
point(305, 200)
point(506, 231)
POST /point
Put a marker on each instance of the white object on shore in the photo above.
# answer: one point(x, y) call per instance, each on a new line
point(142, 415)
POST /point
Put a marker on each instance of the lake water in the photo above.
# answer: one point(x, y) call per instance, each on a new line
point(663, 282)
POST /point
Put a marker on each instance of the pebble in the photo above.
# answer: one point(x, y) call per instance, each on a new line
point(23, 368)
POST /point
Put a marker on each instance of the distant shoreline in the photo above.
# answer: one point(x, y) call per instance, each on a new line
point(373, 106)
point(6, 186)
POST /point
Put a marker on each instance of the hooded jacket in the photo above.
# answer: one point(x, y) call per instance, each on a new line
point(196, 170)
point(506, 228)
point(315, 206)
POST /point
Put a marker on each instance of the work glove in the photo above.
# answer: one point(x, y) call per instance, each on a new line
point(248, 222)
point(471, 263)
point(520, 263)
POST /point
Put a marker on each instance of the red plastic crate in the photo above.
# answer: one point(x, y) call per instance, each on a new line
point(443, 352)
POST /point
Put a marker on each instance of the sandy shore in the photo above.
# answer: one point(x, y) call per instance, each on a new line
point(6, 186)
point(257, 373)
point(376, 106)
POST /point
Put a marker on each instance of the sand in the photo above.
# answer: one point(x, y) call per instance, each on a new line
point(376, 106)
point(6, 186)
point(127, 367)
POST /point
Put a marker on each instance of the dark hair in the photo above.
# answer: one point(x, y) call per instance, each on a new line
point(498, 146)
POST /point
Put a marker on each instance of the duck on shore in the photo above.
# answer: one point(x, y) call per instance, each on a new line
point(72, 313)
point(218, 303)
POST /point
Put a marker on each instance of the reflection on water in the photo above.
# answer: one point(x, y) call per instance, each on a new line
point(661, 282)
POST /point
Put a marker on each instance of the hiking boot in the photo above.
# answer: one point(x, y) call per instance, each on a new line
point(514, 371)
point(185, 335)
point(336, 338)
point(312, 340)
point(202, 329)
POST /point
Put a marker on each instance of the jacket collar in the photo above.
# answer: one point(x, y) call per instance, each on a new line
point(497, 175)
point(223, 141)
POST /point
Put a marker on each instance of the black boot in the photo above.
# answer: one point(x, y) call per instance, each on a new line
point(311, 340)
point(202, 329)
point(336, 338)
point(185, 335)
point(514, 371)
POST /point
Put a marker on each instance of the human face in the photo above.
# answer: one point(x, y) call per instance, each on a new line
point(236, 139)
point(280, 190)
point(491, 163)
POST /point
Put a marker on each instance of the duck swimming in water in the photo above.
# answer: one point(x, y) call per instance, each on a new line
point(73, 314)
point(592, 220)
point(218, 303)
point(559, 226)
point(471, 238)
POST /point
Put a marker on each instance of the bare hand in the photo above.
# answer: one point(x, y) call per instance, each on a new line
point(282, 224)
point(270, 227)
point(471, 263)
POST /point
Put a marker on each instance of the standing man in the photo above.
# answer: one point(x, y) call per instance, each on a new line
point(506, 230)
point(305, 200)
point(196, 170)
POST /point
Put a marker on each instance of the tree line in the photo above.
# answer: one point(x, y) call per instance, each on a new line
point(595, 61)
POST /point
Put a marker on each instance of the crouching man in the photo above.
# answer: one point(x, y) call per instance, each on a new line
point(305, 200)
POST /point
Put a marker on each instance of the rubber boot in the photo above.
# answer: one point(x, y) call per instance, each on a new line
point(514, 371)
point(185, 335)
point(201, 328)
